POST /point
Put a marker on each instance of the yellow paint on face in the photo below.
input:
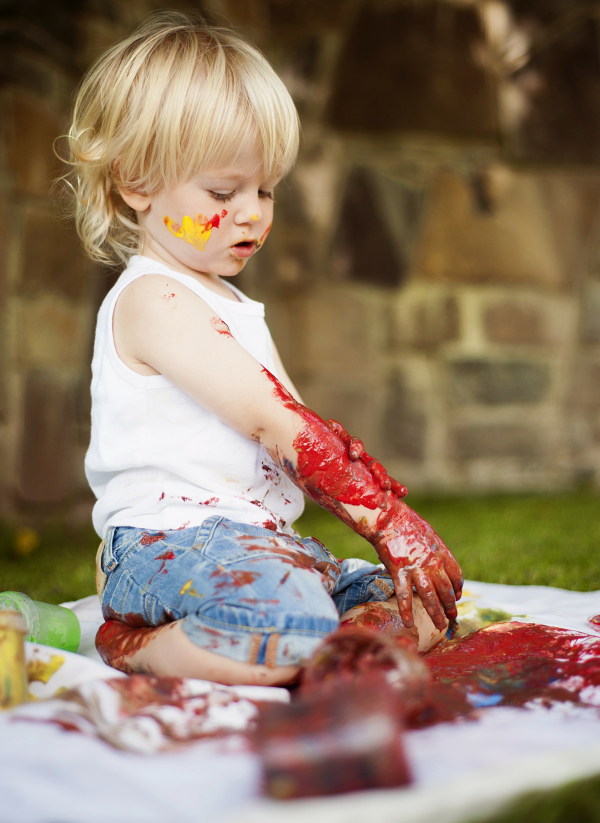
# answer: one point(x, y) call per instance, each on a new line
point(195, 231)
point(254, 217)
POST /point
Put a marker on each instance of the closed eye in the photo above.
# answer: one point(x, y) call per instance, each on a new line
point(222, 197)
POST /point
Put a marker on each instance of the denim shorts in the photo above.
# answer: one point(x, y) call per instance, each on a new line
point(242, 591)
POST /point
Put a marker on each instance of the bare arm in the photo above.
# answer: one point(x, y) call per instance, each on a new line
point(164, 326)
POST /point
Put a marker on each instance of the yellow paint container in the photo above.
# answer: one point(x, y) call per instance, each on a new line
point(13, 675)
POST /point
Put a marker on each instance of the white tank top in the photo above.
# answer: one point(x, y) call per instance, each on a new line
point(158, 459)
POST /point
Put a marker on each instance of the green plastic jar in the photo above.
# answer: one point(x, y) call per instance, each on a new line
point(46, 623)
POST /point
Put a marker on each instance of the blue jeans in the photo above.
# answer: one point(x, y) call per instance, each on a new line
point(242, 591)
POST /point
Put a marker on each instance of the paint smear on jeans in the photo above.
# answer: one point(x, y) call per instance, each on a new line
point(194, 230)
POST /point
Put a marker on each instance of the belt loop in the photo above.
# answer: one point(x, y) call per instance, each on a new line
point(271, 652)
point(255, 641)
point(108, 559)
point(100, 576)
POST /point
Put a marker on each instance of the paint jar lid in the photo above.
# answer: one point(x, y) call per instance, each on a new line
point(13, 620)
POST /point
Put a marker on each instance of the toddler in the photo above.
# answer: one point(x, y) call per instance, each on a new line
point(201, 447)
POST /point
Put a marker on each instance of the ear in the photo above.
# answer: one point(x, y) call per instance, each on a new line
point(136, 200)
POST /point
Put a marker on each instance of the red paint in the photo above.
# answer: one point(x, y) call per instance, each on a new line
point(353, 653)
point(283, 579)
point(220, 326)
point(117, 643)
point(236, 578)
point(300, 560)
point(510, 664)
point(167, 555)
point(149, 539)
point(162, 497)
point(212, 502)
point(264, 237)
point(186, 498)
point(378, 617)
point(334, 469)
point(319, 744)
point(268, 524)
point(594, 621)
point(224, 213)
point(214, 222)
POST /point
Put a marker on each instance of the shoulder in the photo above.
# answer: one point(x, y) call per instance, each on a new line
point(157, 294)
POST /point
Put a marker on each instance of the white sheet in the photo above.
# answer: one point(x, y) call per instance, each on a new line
point(461, 770)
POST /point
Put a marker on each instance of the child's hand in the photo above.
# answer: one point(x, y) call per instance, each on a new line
point(356, 451)
point(415, 556)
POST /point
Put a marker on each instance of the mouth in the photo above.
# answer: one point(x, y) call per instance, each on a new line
point(245, 248)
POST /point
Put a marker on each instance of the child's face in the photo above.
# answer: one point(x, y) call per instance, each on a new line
point(213, 222)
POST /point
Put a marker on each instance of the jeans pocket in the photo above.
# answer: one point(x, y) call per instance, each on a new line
point(231, 542)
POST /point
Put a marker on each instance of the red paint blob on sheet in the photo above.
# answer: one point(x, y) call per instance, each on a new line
point(594, 621)
point(509, 664)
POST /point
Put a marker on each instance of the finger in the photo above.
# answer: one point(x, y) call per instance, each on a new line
point(398, 489)
point(355, 448)
point(446, 594)
point(382, 477)
point(429, 598)
point(404, 595)
point(337, 428)
point(454, 573)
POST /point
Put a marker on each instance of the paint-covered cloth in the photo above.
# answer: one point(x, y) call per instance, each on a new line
point(242, 591)
point(157, 458)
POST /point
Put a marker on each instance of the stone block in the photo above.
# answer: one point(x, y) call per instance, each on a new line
point(52, 333)
point(586, 386)
point(353, 407)
point(551, 105)
point(364, 250)
point(404, 425)
point(513, 243)
point(294, 19)
point(428, 322)
point(410, 67)
point(342, 331)
point(32, 130)
point(590, 312)
point(53, 258)
point(49, 433)
point(499, 382)
point(476, 441)
point(510, 321)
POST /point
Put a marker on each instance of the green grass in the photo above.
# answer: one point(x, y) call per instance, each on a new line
point(577, 802)
point(61, 568)
point(550, 541)
point(522, 540)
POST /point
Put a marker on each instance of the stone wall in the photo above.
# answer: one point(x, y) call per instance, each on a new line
point(433, 275)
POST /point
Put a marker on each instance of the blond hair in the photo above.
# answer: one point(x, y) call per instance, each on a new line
point(175, 97)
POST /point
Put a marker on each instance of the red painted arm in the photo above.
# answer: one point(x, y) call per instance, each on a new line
point(334, 470)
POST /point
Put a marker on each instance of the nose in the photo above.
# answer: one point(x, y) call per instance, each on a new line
point(249, 211)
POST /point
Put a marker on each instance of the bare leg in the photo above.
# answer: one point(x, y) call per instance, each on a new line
point(384, 616)
point(167, 651)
